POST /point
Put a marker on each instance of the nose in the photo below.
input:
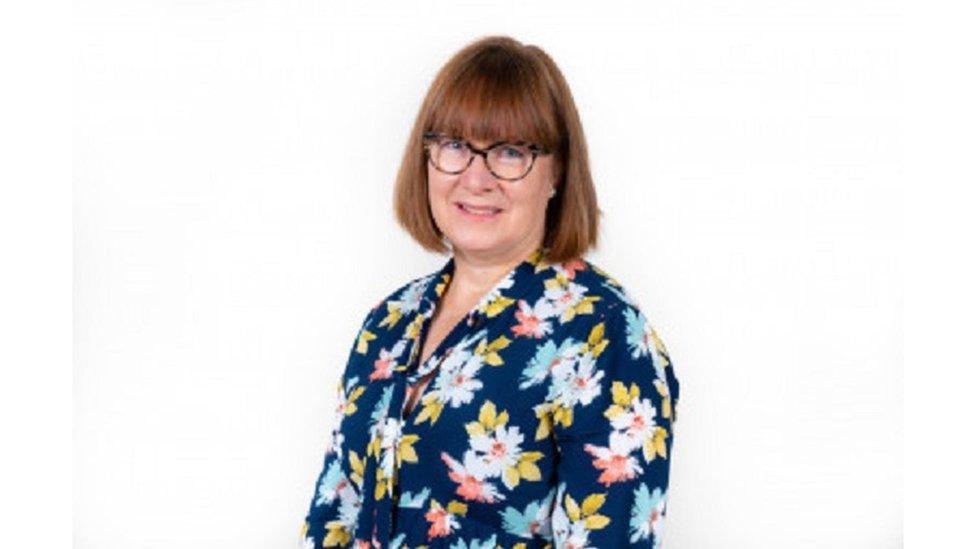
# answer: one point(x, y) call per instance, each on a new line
point(478, 178)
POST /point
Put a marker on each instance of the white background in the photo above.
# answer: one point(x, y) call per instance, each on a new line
point(233, 164)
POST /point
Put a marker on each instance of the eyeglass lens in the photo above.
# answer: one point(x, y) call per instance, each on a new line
point(506, 160)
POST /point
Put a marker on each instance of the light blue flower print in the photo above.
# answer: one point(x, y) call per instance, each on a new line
point(476, 544)
point(639, 340)
point(382, 407)
point(647, 514)
point(329, 484)
point(399, 541)
point(407, 499)
point(535, 520)
point(636, 341)
point(547, 356)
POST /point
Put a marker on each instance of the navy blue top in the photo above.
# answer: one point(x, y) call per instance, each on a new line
point(547, 424)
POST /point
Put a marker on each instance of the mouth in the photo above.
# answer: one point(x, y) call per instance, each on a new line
point(478, 212)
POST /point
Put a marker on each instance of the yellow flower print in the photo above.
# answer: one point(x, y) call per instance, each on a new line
point(634, 418)
point(488, 419)
point(413, 329)
point(442, 519)
point(662, 389)
point(358, 467)
point(350, 406)
point(497, 305)
point(405, 450)
point(431, 408)
point(543, 413)
point(489, 351)
point(595, 342)
point(393, 315)
point(655, 445)
point(588, 512)
point(442, 285)
point(568, 298)
point(362, 342)
point(336, 534)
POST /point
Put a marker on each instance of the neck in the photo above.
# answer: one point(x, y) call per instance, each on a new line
point(475, 274)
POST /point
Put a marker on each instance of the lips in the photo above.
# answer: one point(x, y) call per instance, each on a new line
point(475, 209)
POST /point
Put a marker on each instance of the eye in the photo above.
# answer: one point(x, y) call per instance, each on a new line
point(512, 152)
point(451, 143)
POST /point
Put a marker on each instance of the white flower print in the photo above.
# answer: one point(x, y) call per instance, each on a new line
point(562, 297)
point(383, 365)
point(532, 321)
point(470, 477)
point(549, 360)
point(647, 515)
point(389, 437)
point(615, 462)
point(535, 520)
point(350, 503)
point(636, 424)
point(575, 381)
point(409, 299)
point(456, 382)
point(567, 534)
point(499, 449)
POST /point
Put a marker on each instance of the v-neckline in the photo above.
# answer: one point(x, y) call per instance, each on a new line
point(520, 274)
point(431, 373)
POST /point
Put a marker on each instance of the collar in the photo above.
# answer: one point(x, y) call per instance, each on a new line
point(503, 293)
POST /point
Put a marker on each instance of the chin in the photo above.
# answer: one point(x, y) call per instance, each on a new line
point(477, 243)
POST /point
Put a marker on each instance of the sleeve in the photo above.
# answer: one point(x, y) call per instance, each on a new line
point(612, 421)
point(324, 523)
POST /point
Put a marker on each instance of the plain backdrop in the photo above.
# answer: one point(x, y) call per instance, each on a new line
point(233, 167)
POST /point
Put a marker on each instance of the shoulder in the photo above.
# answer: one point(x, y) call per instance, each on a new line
point(627, 323)
point(614, 300)
point(617, 353)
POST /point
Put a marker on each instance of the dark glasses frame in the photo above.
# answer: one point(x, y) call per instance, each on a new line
point(534, 149)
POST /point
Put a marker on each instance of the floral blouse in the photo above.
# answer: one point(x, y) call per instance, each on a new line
point(548, 424)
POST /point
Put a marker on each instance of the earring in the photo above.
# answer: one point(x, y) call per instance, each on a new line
point(552, 193)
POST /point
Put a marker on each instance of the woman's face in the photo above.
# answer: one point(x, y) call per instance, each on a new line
point(520, 223)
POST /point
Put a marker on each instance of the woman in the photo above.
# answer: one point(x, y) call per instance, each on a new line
point(517, 397)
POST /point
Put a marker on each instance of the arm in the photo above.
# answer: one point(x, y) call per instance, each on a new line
point(612, 415)
point(327, 522)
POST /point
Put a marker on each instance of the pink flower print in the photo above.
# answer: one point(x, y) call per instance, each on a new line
point(615, 464)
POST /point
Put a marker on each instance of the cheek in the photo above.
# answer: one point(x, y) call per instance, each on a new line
point(528, 207)
point(438, 195)
point(437, 188)
point(539, 184)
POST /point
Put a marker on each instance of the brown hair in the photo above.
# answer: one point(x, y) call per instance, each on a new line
point(498, 88)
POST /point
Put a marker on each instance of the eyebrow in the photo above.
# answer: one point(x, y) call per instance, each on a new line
point(494, 144)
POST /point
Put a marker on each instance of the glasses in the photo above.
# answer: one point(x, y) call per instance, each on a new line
point(506, 160)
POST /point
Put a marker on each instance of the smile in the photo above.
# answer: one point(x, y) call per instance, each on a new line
point(473, 212)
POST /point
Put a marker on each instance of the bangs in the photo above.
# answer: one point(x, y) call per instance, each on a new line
point(496, 97)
